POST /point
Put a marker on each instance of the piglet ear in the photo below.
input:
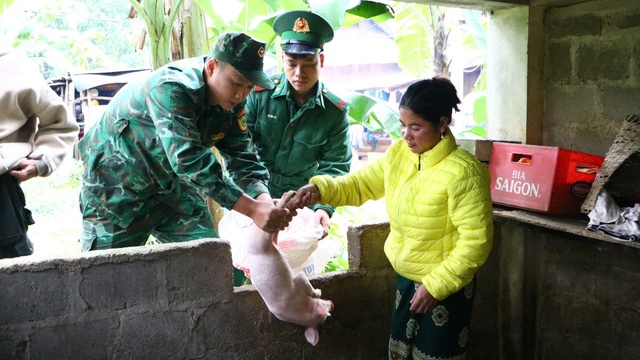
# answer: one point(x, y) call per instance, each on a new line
point(312, 335)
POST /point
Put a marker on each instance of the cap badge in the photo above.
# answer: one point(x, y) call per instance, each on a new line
point(301, 26)
point(261, 52)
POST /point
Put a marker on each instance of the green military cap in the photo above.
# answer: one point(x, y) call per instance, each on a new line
point(245, 54)
point(302, 32)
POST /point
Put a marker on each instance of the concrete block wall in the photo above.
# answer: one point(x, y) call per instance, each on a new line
point(542, 294)
point(594, 286)
point(592, 72)
point(560, 296)
point(177, 301)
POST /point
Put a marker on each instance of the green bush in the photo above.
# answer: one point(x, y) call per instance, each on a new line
point(53, 201)
point(345, 216)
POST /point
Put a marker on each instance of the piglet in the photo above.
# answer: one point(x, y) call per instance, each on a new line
point(291, 299)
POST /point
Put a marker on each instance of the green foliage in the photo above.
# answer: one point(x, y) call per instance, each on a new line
point(333, 10)
point(53, 201)
point(158, 17)
point(414, 38)
point(4, 4)
point(74, 35)
point(476, 40)
point(375, 11)
point(375, 114)
point(338, 264)
point(480, 109)
point(340, 221)
point(346, 216)
point(255, 17)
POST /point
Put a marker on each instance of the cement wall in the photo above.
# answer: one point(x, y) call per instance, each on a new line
point(178, 302)
point(507, 75)
point(543, 294)
point(564, 76)
point(592, 73)
point(563, 296)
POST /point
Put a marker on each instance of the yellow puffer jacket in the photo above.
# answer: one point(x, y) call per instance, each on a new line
point(439, 206)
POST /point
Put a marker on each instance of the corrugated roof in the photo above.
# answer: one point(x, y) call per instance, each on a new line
point(90, 80)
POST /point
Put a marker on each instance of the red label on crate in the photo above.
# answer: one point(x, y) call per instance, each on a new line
point(580, 189)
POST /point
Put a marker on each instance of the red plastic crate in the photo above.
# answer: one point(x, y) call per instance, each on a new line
point(546, 179)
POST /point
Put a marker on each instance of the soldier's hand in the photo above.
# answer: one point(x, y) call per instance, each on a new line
point(25, 170)
point(269, 218)
point(263, 213)
point(307, 195)
point(321, 217)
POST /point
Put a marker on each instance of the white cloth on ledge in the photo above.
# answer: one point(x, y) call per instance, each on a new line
point(609, 219)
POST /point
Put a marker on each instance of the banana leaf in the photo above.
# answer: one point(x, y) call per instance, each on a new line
point(375, 114)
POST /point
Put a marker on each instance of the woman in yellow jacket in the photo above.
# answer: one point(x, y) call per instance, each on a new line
point(439, 203)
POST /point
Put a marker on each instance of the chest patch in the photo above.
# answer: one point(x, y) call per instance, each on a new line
point(242, 121)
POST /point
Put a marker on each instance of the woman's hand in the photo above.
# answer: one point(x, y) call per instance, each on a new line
point(321, 217)
point(307, 195)
point(422, 301)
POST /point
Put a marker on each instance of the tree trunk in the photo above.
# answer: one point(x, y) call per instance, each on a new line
point(440, 39)
point(192, 30)
point(158, 16)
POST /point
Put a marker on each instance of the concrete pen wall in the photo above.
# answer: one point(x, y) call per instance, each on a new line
point(178, 302)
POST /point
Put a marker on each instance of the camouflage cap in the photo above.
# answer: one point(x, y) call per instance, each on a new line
point(245, 54)
point(302, 32)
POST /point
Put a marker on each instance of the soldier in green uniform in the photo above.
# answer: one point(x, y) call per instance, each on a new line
point(148, 162)
point(300, 128)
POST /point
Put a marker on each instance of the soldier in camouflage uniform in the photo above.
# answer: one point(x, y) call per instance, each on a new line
point(300, 128)
point(148, 159)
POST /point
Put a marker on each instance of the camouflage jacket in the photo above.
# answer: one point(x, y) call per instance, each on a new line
point(153, 144)
point(294, 143)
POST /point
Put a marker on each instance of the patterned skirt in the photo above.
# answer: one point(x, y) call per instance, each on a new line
point(438, 335)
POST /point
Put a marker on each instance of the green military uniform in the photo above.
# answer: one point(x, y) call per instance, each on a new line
point(148, 159)
point(298, 142)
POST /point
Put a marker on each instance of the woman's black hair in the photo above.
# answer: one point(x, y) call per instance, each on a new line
point(431, 99)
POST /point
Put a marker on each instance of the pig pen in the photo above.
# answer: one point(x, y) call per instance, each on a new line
point(177, 301)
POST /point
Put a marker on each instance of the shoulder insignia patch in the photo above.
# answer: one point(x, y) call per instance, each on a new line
point(336, 101)
point(257, 88)
point(242, 121)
